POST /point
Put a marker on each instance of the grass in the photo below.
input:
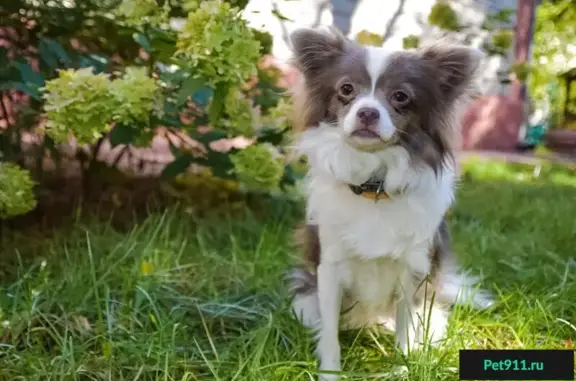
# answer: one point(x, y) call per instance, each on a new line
point(180, 298)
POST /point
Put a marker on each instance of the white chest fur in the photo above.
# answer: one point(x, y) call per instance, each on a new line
point(390, 228)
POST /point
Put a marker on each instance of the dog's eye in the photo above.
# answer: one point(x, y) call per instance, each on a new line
point(400, 97)
point(346, 89)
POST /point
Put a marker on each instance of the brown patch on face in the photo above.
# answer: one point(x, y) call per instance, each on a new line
point(420, 91)
point(327, 61)
point(419, 121)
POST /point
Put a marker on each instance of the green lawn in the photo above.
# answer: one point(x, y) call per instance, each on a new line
point(179, 298)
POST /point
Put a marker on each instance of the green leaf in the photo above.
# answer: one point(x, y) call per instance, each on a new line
point(121, 134)
point(47, 56)
point(170, 77)
point(208, 137)
point(290, 176)
point(97, 62)
point(143, 41)
point(220, 163)
point(178, 166)
point(52, 53)
point(189, 88)
point(30, 76)
point(156, 33)
point(13, 85)
point(169, 120)
point(58, 50)
point(272, 136)
point(217, 106)
point(162, 42)
point(202, 96)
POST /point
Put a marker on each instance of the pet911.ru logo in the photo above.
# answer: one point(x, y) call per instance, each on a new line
point(513, 365)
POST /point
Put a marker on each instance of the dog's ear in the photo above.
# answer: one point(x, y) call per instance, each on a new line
point(314, 49)
point(455, 67)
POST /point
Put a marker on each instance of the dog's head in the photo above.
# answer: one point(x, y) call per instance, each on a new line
point(376, 99)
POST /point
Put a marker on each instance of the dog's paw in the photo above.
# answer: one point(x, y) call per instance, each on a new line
point(330, 365)
point(329, 377)
point(331, 372)
point(328, 352)
point(399, 372)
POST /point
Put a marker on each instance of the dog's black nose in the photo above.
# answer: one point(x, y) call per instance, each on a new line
point(368, 115)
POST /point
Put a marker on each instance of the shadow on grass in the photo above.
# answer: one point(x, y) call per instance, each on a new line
point(180, 297)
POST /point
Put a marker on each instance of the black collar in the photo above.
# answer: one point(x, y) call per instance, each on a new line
point(372, 189)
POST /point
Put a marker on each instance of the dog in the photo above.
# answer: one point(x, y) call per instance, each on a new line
point(379, 129)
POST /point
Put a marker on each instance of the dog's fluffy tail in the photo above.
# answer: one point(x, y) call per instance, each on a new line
point(454, 286)
point(451, 284)
point(305, 304)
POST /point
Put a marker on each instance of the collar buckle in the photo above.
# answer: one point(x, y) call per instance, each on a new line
point(371, 189)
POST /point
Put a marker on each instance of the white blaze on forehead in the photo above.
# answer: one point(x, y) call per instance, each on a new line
point(377, 60)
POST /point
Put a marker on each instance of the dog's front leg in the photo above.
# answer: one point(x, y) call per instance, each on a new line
point(330, 300)
point(407, 323)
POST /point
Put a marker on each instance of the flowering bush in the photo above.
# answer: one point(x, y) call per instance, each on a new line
point(240, 116)
point(136, 95)
point(136, 13)
point(219, 43)
point(78, 103)
point(258, 168)
point(205, 73)
point(16, 191)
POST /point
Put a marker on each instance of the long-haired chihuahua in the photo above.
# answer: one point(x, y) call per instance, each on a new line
point(379, 129)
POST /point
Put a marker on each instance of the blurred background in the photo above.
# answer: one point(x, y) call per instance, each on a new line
point(148, 191)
